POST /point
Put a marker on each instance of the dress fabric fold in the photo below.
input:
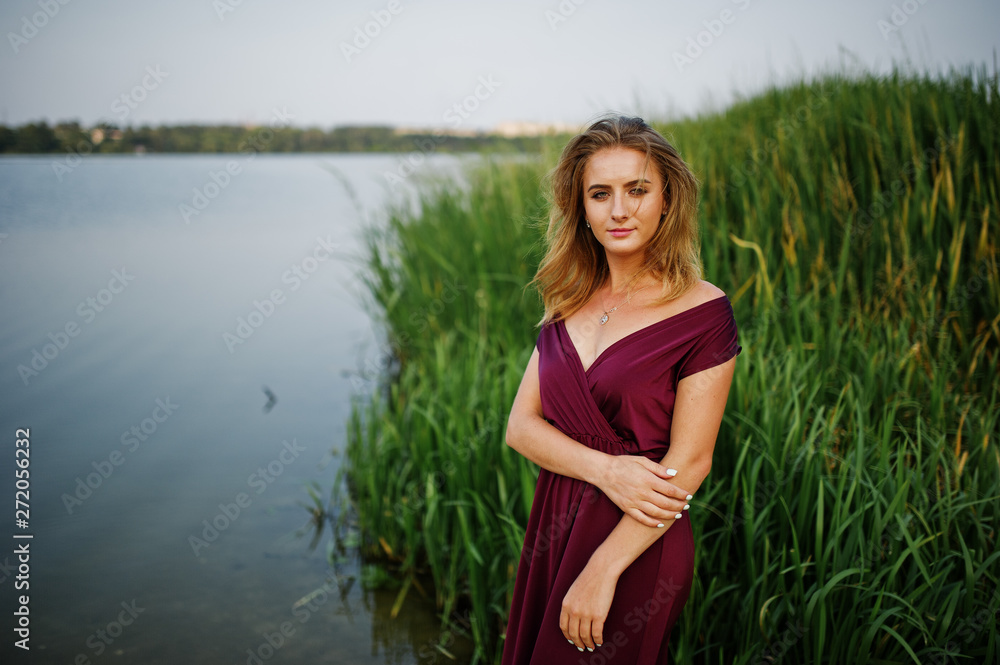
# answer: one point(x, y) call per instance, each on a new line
point(621, 405)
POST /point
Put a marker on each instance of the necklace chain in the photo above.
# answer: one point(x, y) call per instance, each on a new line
point(608, 312)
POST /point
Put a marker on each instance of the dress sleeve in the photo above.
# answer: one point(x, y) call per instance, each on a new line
point(716, 344)
point(540, 340)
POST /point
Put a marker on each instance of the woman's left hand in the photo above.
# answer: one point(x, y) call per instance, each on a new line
point(586, 606)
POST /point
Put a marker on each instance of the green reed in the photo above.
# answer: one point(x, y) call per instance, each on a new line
point(851, 514)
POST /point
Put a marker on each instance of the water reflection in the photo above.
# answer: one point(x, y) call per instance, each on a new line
point(404, 625)
point(166, 482)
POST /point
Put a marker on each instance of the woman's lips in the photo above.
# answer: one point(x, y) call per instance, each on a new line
point(620, 233)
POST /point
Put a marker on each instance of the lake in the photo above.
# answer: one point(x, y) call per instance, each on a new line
point(182, 337)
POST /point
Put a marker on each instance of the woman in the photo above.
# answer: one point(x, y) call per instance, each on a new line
point(620, 404)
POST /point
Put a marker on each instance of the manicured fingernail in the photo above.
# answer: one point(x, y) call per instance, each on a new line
point(590, 650)
point(678, 516)
point(671, 472)
point(688, 497)
point(570, 641)
point(660, 525)
point(579, 648)
point(686, 506)
point(599, 646)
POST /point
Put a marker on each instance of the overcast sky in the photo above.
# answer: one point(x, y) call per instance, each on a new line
point(237, 61)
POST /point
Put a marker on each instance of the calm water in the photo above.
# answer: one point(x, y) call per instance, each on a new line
point(135, 345)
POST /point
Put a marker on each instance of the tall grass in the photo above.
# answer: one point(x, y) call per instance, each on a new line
point(851, 514)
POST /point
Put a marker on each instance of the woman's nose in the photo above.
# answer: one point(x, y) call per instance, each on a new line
point(619, 212)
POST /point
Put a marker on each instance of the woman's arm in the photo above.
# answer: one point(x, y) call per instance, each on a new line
point(635, 484)
point(698, 408)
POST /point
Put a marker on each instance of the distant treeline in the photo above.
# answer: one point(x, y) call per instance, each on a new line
point(39, 137)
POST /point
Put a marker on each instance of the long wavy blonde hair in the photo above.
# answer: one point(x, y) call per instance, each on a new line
point(575, 266)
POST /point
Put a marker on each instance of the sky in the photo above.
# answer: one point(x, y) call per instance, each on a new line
point(448, 64)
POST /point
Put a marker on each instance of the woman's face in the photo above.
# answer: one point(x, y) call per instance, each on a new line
point(623, 205)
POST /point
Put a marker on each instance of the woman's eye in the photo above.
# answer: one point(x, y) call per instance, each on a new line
point(638, 191)
point(600, 196)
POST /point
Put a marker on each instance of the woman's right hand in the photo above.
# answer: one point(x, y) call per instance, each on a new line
point(642, 489)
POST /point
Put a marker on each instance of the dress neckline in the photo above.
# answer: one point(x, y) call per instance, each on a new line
point(644, 329)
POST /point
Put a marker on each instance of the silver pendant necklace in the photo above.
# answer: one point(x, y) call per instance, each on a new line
point(608, 312)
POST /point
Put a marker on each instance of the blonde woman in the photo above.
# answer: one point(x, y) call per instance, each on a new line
point(620, 404)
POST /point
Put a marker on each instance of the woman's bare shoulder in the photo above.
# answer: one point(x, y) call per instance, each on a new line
point(702, 292)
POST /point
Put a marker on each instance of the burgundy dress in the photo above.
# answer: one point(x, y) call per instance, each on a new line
point(621, 405)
